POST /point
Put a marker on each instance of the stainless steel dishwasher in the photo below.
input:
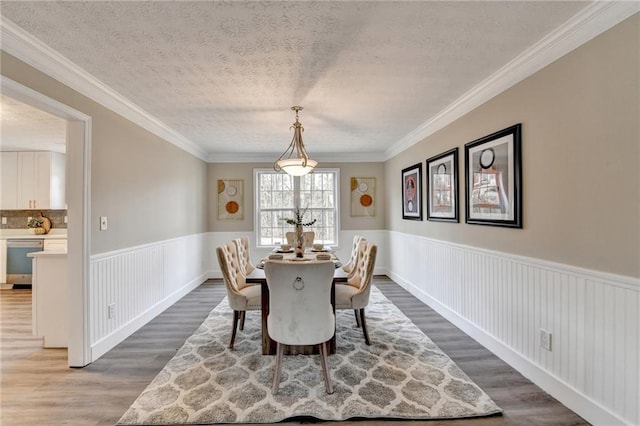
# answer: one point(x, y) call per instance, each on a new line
point(19, 269)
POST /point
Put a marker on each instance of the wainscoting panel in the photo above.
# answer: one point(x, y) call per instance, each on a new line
point(139, 283)
point(504, 301)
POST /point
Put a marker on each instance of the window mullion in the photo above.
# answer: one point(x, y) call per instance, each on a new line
point(296, 191)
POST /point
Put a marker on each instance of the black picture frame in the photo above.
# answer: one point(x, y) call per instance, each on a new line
point(412, 192)
point(493, 179)
point(442, 187)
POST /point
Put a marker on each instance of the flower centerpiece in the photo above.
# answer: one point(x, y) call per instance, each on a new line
point(298, 222)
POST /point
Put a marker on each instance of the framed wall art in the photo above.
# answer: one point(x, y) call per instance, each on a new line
point(230, 199)
point(493, 179)
point(442, 187)
point(363, 196)
point(412, 192)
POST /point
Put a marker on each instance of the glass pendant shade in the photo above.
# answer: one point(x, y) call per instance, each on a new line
point(299, 164)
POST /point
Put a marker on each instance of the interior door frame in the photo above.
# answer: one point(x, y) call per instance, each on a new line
point(78, 194)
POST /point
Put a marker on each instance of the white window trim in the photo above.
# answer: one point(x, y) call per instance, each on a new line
point(256, 190)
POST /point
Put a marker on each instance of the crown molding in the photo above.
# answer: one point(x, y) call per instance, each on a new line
point(365, 157)
point(584, 26)
point(22, 45)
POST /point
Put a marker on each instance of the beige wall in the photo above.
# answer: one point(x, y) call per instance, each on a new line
point(580, 166)
point(245, 171)
point(148, 189)
point(581, 157)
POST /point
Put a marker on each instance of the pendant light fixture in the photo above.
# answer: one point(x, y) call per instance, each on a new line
point(300, 164)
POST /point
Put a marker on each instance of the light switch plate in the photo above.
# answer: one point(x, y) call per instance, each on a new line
point(103, 223)
point(4, 220)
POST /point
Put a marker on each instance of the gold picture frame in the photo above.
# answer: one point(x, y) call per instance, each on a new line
point(230, 199)
point(363, 196)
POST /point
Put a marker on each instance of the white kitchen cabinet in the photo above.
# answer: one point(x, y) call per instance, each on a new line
point(3, 260)
point(58, 244)
point(40, 180)
point(49, 295)
point(9, 180)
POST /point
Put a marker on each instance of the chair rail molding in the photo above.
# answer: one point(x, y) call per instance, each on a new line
point(504, 301)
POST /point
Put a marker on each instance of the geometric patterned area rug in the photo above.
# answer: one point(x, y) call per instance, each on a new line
point(402, 375)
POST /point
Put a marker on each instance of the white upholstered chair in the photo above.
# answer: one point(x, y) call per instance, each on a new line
point(309, 236)
point(349, 266)
point(355, 293)
point(242, 244)
point(300, 310)
point(242, 297)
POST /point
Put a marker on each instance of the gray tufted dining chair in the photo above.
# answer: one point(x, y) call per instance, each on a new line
point(300, 310)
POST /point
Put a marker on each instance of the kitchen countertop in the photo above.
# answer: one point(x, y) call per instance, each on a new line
point(47, 253)
point(17, 234)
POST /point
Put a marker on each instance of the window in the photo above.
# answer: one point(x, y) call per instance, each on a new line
point(277, 194)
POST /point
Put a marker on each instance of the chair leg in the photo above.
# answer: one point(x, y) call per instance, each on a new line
point(242, 315)
point(324, 355)
point(364, 327)
point(236, 315)
point(355, 311)
point(276, 371)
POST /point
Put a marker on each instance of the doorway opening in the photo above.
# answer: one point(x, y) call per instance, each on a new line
point(78, 164)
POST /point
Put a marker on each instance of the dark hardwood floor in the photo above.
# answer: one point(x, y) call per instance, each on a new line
point(37, 388)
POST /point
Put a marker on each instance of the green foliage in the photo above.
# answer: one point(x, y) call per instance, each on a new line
point(298, 218)
point(35, 222)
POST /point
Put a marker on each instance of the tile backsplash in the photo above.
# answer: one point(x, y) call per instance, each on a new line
point(17, 219)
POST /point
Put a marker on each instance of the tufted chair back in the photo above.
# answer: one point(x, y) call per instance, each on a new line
point(363, 274)
point(349, 266)
point(242, 245)
point(309, 236)
point(233, 276)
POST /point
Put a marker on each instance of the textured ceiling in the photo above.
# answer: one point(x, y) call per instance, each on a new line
point(25, 128)
point(224, 74)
